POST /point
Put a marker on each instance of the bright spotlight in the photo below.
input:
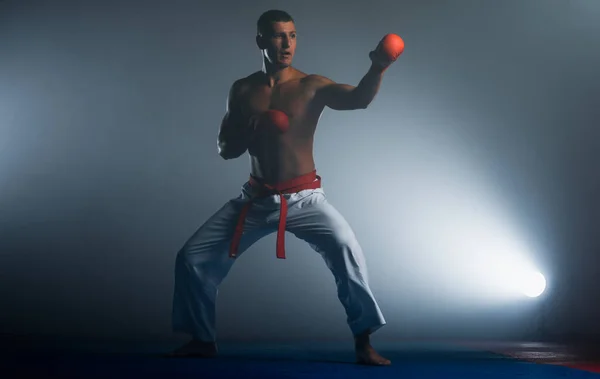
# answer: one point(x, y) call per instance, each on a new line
point(533, 285)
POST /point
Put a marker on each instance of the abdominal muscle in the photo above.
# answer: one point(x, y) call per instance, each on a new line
point(281, 161)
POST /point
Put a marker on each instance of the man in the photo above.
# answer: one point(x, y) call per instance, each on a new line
point(272, 114)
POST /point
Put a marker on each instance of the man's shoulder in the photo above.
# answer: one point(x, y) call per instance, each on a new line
point(309, 78)
point(317, 80)
point(243, 84)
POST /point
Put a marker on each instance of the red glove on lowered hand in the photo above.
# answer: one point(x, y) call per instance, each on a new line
point(387, 51)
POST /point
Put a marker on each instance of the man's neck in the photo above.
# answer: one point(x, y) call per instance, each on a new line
point(275, 74)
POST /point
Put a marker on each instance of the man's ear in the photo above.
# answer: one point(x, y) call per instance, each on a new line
point(260, 42)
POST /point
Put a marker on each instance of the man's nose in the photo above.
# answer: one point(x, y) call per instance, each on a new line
point(286, 42)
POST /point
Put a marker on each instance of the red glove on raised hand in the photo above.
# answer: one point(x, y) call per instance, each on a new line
point(387, 51)
point(273, 119)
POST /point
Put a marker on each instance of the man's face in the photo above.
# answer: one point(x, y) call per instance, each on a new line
point(280, 44)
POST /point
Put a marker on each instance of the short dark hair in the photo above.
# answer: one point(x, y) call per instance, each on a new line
point(263, 25)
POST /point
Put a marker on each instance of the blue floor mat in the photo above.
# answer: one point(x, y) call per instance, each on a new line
point(275, 360)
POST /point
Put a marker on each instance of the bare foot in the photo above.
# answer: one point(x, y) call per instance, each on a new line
point(366, 355)
point(195, 348)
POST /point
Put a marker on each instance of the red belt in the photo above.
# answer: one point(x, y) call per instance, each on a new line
point(304, 182)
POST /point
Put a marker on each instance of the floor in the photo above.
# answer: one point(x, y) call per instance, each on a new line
point(27, 358)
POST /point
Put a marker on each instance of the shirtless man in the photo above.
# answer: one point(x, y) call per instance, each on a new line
point(272, 114)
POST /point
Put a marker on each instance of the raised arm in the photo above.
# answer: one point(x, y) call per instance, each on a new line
point(235, 130)
point(340, 96)
point(347, 97)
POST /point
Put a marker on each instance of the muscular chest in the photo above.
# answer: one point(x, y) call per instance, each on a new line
point(292, 98)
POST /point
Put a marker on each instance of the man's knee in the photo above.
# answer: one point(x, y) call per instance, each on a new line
point(193, 249)
point(343, 236)
point(203, 253)
point(183, 255)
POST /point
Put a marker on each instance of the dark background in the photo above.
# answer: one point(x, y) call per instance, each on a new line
point(481, 147)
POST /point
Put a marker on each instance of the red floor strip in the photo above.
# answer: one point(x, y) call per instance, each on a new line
point(576, 356)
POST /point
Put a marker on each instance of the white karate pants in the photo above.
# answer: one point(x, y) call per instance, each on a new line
point(203, 262)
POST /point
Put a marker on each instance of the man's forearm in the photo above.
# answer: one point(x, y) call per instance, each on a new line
point(369, 85)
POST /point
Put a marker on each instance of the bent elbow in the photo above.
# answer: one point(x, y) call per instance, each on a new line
point(225, 154)
point(361, 102)
point(222, 151)
point(229, 153)
point(362, 105)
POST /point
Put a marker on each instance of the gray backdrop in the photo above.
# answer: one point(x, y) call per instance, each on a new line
point(481, 147)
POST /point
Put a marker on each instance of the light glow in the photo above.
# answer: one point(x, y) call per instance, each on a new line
point(533, 285)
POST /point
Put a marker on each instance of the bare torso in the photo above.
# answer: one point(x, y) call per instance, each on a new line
point(275, 156)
